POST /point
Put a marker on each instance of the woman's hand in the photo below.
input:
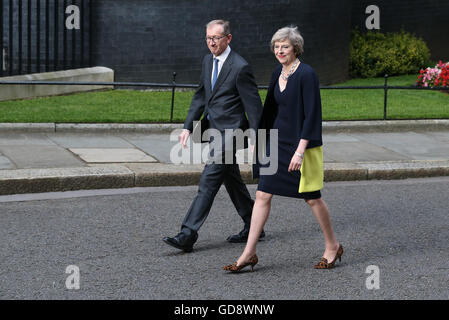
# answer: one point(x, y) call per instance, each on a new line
point(295, 163)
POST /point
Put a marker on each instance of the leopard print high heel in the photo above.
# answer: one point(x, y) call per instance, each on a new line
point(323, 264)
point(235, 268)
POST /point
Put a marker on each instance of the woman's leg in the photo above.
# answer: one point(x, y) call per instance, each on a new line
point(259, 216)
point(321, 212)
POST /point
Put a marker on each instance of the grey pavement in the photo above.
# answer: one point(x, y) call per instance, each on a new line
point(115, 237)
point(62, 157)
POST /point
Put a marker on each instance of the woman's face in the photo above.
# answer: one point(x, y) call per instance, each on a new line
point(284, 51)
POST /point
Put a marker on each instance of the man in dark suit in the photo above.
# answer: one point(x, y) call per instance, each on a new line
point(228, 98)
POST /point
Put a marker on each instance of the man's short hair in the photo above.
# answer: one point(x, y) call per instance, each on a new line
point(223, 23)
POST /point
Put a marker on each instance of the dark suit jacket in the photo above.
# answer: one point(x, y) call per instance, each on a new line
point(234, 103)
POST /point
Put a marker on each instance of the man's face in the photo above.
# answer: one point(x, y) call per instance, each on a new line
point(219, 42)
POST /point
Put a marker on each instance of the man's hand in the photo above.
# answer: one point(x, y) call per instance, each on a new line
point(183, 137)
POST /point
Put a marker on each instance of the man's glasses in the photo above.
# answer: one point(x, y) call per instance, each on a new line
point(214, 39)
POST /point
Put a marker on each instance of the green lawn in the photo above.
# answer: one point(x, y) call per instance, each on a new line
point(121, 106)
point(369, 104)
point(126, 106)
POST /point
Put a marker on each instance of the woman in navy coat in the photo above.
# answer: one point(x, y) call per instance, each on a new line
point(293, 107)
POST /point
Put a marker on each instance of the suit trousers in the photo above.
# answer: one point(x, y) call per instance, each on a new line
point(213, 176)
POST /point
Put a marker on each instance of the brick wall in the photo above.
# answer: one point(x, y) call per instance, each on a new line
point(147, 40)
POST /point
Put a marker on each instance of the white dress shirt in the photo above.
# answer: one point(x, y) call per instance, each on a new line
point(221, 60)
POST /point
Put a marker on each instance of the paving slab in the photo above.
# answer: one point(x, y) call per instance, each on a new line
point(412, 145)
point(339, 137)
point(359, 151)
point(25, 139)
point(157, 145)
point(111, 155)
point(88, 140)
point(33, 156)
point(440, 135)
point(5, 163)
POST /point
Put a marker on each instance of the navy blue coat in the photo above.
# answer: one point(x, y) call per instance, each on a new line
point(305, 103)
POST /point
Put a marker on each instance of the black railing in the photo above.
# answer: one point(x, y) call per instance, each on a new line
point(172, 86)
point(38, 35)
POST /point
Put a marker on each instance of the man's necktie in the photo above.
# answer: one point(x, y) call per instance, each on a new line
point(215, 74)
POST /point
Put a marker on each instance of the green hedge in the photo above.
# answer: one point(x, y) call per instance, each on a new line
point(374, 54)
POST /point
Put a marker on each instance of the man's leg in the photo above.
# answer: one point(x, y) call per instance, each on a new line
point(242, 201)
point(238, 192)
point(210, 182)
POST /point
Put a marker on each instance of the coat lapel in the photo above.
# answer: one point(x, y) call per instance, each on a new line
point(208, 75)
point(227, 66)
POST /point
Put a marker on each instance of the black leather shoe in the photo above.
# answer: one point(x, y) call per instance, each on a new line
point(181, 241)
point(242, 236)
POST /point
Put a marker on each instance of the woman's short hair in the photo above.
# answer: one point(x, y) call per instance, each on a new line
point(292, 34)
point(225, 24)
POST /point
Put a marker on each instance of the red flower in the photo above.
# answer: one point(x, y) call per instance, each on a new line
point(434, 77)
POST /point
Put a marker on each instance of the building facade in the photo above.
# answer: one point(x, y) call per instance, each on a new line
point(148, 40)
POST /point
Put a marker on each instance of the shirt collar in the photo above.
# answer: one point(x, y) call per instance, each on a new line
point(222, 57)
